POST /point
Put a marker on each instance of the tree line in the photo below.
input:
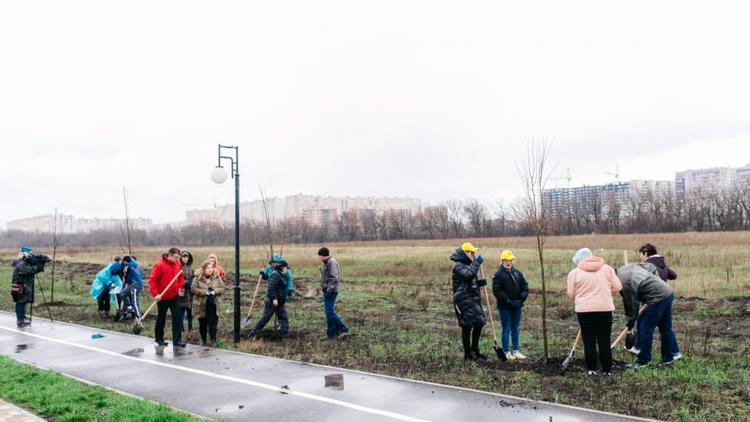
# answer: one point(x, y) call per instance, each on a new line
point(701, 210)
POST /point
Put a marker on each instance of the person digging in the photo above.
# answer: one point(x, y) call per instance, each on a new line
point(274, 302)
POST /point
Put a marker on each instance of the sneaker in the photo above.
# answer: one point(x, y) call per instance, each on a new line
point(326, 338)
point(344, 334)
point(666, 363)
point(607, 374)
point(518, 355)
point(591, 374)
point(161, 344)
point(634, 350)
point(510, 356)
point(635, 365)
point(21, 324)
point(180, 345)
point(677, 356)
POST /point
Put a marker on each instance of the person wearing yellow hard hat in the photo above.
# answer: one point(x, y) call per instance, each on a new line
point(511, 290)
point(467, 302)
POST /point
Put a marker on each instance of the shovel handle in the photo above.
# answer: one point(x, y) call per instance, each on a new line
point(489, 307)
point(575, 343)
point(252, 302)
point(625, 330)
point(162, 292)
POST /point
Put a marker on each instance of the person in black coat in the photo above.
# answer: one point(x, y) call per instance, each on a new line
point(467, 301)
point(275, 301)
point(511, 290)
point(25, 269)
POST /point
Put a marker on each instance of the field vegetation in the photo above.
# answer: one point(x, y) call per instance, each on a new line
point(396, 298)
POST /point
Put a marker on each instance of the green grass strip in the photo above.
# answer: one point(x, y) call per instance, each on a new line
point(58, 398)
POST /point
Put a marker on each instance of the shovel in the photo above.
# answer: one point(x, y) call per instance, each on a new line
point(498, 349)
point(137, 325)
point(624, 332)
point(252, 303)
point(572, 353)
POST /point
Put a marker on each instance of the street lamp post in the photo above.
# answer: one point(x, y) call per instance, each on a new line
point(219, 175)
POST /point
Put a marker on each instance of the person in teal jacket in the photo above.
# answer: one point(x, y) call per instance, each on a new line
point(106, 285)
point(266, 274)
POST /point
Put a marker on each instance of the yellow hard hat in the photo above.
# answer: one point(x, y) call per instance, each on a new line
point(468, 247)
point(507, 255)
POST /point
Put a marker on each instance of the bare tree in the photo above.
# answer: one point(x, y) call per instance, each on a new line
point(269, 227)
point(534, 170)
point(57, 230)
point(127, 221)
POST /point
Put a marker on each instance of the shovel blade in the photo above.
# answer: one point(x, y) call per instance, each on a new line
point(137, 327)
point(566, 362)
point(500, 353)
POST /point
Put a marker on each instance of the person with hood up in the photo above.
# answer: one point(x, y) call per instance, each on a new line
point(185, 296)
point(207, 288)
point(133, 284)
point(22, 284)
point(511, 290)
point(104, 286)
point(266, 274)
point(591, 285)
point(648, 254)
point(641, 285)
point(218, 268)
point(467, 300)
point(162, 274)
point(275, 301)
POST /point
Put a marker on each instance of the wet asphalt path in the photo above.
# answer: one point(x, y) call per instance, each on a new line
point(242, 387)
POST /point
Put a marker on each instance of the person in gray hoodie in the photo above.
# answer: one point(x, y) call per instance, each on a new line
point(330, 282)
point(641, 284)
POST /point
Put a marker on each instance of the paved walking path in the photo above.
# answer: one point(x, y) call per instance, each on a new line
point(242, 387)
point(11, 413)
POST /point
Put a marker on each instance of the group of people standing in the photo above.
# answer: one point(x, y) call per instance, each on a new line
point(591, 285)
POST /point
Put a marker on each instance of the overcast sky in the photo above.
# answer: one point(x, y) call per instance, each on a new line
point(404, 98)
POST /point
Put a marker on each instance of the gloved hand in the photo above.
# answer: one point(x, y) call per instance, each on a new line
point(631, 324)
point(479, 259)
point(263, 275)
point(482, 282)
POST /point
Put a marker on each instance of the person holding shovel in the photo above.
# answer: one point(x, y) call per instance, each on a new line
point(207, 288)
point(511, 290)
point(162, 274)
point(591, 285)
point(102, 287)
point(467, 301)
point(641, 285)
point(275, 301)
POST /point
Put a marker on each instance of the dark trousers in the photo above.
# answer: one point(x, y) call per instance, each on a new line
point(207, 325)
point(596, 331)
point(20, 312)
point(657, 315)
point(173, 306)
point(103, 300)
point(470, 339)
point(186, 312)
point(268, 311)
point(334, 323)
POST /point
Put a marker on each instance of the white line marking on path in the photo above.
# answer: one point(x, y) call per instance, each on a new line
point(335, 402)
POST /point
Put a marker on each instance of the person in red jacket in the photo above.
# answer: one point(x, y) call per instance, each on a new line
point(161, 274)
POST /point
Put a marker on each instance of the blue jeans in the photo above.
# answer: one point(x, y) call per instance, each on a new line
point(657, 315)
point(20, 312)
point(511, 321)
point(335, 324)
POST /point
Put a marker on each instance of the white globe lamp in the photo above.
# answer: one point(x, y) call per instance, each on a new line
point(219, 174)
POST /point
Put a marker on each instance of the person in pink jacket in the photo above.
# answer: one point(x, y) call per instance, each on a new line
point(591, 285)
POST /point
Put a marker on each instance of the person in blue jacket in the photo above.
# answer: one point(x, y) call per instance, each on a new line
point(132, 286)
point(104, 284)
point(275, 301)
point(266, 274)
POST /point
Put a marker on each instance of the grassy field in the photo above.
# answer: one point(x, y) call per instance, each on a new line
point(396, 298)
point(58, 398)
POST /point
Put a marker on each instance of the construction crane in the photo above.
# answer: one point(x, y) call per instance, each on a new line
point(567, 177)
point(616, 174)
